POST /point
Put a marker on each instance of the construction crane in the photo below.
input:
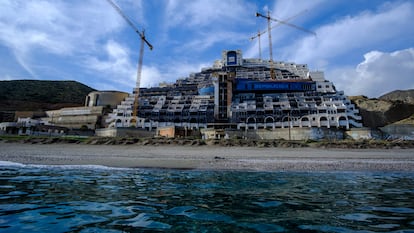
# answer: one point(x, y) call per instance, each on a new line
point(141, 55)
point(269, 32)
point(259, 33)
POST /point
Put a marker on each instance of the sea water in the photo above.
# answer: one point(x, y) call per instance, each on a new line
point(99, 199)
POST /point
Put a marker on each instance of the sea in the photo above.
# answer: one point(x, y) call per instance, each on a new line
point(40, 198)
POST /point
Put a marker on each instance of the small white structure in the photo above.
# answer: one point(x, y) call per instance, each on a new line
point(76, 117)
point(105, 98)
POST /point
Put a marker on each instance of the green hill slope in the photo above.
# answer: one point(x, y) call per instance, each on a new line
point(35, 95)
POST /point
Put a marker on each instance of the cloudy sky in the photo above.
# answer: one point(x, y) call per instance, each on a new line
point(364, 47)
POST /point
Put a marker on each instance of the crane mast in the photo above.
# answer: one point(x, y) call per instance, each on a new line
point(259, 33)
point(141, 55)
point(269, 31)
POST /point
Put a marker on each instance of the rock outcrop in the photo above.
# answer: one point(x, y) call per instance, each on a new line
point(406, 96)
point(390, 108)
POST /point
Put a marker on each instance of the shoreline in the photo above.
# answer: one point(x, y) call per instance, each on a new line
point(258, 143)
point(211, 157)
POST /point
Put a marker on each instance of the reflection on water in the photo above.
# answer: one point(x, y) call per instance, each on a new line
point(59, 199)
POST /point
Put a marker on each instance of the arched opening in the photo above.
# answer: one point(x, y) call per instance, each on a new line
point(269, 119)
point(269, 122)
point(286, 119)
point(343, 121)
point(251, 120)
point(324, 121)
point(133, 122)
point(304, 121)
point(118, 123)
point(96, 100)
point(251, 123)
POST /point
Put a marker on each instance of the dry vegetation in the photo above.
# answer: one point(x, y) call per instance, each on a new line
point(344, 144)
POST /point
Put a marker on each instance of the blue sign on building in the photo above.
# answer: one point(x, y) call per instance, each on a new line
point(231, 58)
point(244, 85)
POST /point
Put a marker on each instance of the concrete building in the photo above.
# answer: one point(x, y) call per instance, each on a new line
point(89, 117)
point(76, 117)
point(108, 99)
point(29, 126)
point(239, 93)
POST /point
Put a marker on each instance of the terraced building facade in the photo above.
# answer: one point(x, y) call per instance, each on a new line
point(238, 93)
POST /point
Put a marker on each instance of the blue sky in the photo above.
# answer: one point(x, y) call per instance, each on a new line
point(364, 47)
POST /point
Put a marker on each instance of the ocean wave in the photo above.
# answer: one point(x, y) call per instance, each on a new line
point(83, 166)
point(11, 164)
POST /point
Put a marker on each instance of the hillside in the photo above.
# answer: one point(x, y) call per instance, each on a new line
point(38, 95)
point(396, 106)
point(406, 96)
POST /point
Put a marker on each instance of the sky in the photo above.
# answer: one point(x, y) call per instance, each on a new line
point(364, 47)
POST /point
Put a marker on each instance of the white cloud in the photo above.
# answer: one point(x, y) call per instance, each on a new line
point(134, 10)
point(54, 28)
point(118, 69)
point(151, 76)
point(208, 39)
point(378, 74)
point(201, 13)
point(116, 66)
point(195, 26)
point(57, 27)
point(287, 8)
point(365, 31)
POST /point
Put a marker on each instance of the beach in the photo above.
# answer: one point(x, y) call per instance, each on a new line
point(210, 157)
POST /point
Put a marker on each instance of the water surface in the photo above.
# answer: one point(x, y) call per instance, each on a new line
point(99, 199)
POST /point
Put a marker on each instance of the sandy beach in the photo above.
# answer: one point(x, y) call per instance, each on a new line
point(210, 157)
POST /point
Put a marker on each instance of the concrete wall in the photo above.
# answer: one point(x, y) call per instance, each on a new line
point(292, 134)
point(75, 122)
point(123, 132)
point(363, 133)
point(405, 131)
point(212, 133)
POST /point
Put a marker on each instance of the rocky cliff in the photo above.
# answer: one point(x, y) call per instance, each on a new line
point(396, 106)
point(406, 96)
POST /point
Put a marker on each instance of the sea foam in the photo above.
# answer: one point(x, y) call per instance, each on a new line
point(85, 166)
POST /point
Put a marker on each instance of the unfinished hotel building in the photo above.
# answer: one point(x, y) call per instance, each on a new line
point(238, 93)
